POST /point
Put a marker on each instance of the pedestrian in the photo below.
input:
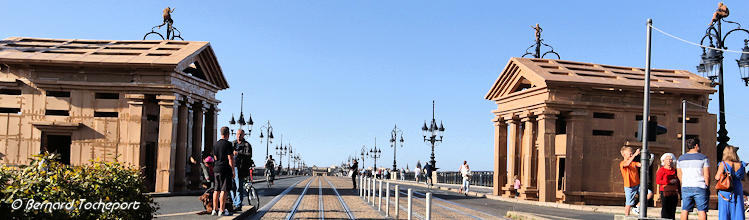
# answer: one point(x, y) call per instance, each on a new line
point(731, 201)
point(207, 167)
point(693, 171)
point(243, 158)
point(354, 169)
point(402, 174)
point(669, 185)
point(631, 177)
point(223, 171)
point(428, 174)
point(465, 172)
point(516, 186)
point(417, 174)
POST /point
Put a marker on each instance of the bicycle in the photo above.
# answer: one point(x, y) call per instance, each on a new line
point(268, 177)
point(252, 193)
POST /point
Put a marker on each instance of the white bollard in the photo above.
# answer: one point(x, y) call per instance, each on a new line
point(374, 184)
point(410, 194)
point(366, 189)
point(429, 206)
point(397, 196)
point(359, 179)
point(379, 197)
point(387, 199)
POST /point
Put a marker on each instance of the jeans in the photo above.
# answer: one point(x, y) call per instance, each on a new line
point(691, 196)
point(466, 184)
point(239, 191)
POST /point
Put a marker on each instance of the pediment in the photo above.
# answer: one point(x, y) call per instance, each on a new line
point(515, 78)
point(203, 65)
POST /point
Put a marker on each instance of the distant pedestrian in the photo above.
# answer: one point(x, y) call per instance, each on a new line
point(428, 174)
point(402, 174)
point(731, 201)
point(694, 175)
point(417, 174)
point(516, 186)
point(465, 172)
point(354, 169)
point(669, 185)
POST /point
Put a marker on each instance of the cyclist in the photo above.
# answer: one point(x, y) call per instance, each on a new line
point(269, 165)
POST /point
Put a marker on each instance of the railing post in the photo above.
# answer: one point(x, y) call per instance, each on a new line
point(360, 182)
point(374, 184)
point(429, 206)
point(366, 190)
point(397, 203)
point(379, 197)
point(387, 199)
point(410, 194)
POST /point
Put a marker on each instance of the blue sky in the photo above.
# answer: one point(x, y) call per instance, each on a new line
point(333, 75)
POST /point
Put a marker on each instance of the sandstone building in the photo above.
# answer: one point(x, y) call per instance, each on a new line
point(559, 125)
point(147, 103)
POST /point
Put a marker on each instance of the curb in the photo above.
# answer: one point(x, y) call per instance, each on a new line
point(523, 216)
point(198, 192)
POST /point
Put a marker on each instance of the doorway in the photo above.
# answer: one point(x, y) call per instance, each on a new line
point(58, 144)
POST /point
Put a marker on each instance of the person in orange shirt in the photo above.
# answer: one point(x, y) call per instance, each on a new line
point(631, 176)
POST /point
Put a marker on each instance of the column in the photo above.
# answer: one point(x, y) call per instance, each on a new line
point(181, 153)
point(168, 122)
point(511, 155)
point(527, 190)
point(134, 129)
point(546, 157)
point(210, 127)
point(500, 155)
point(576, 127)
point(197, 139)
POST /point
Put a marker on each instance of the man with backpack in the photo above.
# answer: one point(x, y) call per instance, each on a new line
point(243, 156)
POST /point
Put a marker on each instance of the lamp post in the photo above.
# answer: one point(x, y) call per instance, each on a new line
point(269, 138)
point(363, 153)
point(430, 134)
point(394, 142)
point(281, 151)
point(711, 66)
point(288, 162)
point(375, 153)
point(241, 121)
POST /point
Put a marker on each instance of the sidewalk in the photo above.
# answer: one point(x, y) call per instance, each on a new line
point(199, 192)
point(486, 192)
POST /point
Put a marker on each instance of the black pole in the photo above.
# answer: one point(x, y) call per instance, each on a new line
point(722, 132)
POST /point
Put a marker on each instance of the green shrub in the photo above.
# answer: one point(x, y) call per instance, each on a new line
point(47, 180)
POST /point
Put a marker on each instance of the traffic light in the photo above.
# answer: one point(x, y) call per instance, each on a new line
point(654, 129)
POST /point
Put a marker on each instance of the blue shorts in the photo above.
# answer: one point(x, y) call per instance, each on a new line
point(630, 194)
point(691, 196)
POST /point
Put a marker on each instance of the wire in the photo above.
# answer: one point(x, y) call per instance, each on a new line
point(693, 43)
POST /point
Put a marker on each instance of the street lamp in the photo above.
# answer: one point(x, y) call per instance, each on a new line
point(375, 153)
point(711, 66)
point(288, 163)
point(363, 153)
point(394, 141)
point(281, 151)
point(241, 121)
point(269, 139)
point(430, 134)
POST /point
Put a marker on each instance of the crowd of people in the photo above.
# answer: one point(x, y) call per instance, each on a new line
point(687, 177)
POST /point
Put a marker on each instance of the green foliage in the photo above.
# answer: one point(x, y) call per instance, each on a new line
point(45, 179)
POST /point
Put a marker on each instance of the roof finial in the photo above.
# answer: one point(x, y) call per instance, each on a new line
point(538, 44)
point(171, 31)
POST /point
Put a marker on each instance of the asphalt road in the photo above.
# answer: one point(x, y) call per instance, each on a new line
point(185, 207)
point(500, 208)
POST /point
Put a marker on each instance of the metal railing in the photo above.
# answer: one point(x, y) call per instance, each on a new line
point(479, 178)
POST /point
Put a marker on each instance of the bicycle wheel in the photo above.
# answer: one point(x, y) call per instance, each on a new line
point(267, 180)
point(254, 199)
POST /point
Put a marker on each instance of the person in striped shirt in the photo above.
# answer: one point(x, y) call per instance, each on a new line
point(693, 172)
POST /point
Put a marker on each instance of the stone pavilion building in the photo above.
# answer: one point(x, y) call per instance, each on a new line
point(147, 103)
point(559, 126)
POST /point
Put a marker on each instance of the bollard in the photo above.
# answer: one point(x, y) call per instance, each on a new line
point(429, 206)
point(410, 194)
point(360, 182)
point(387, 199)
point(374, 183)
point(397, 196)
point(379, 197)
point(366, 189)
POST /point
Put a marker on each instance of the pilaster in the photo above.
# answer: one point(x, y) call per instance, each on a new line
point(167, 142)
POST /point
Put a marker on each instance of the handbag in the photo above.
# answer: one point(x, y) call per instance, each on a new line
point(350, 173)
point(724, 182)
point(671, 189)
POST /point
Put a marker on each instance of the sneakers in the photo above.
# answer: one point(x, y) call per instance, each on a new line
point(214, 213)
point(226, 212)
point(636, 210)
